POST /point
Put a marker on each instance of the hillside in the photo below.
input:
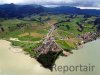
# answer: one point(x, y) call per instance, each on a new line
point(19, 11)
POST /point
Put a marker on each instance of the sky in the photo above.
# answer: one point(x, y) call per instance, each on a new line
point(95, 4)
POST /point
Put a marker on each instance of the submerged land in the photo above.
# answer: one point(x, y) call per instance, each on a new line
point(46, 37)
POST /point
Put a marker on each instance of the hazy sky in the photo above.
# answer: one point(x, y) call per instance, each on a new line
point(78, 3)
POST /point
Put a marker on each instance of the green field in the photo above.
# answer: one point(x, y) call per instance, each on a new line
point(29, 30)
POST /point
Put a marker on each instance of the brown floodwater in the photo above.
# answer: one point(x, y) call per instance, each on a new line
point(13, 61)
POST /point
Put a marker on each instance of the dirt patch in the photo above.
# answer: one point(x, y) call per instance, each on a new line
point(34, 34)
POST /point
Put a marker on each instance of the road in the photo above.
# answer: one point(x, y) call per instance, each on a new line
point(49, 34)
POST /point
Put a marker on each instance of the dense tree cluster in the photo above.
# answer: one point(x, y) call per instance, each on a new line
point(97, 23)
point(12, 10)
point(18, 11)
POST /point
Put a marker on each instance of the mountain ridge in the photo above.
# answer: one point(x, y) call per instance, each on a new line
point(18, 11)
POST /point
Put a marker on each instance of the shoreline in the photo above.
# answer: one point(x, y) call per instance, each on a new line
point(66, 53)
point(53, 55)
point(26, 65)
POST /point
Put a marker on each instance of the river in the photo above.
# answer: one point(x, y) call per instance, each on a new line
point(13, 61)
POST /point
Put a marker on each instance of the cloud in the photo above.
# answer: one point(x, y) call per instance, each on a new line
point(97, 8)
point(35, 1)
point(86, 3)
point(78, 3)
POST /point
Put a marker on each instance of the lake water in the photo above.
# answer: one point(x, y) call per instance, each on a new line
point(14, 62)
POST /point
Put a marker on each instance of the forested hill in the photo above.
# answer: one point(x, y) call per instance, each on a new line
point(73, 10)
point(12, 10)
